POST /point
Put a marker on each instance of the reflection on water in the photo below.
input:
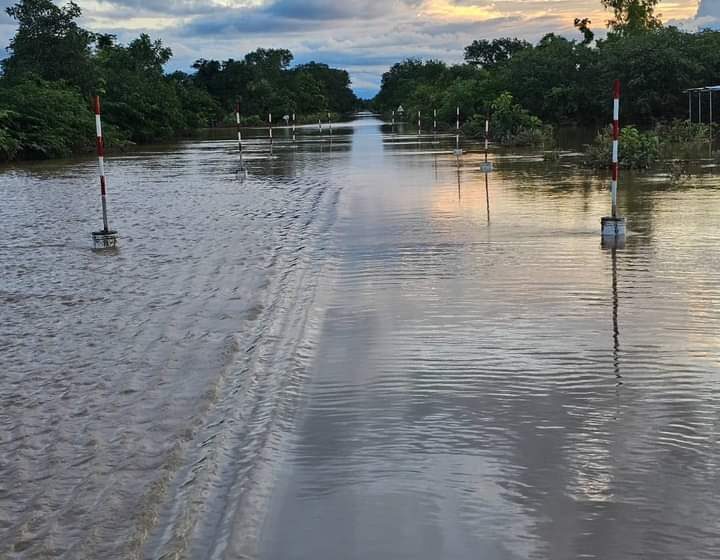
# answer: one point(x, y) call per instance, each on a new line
point(464, 400)
point(342, 356)
point(616, 327)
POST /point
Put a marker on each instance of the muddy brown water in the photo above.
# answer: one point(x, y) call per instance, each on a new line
point(357, 352)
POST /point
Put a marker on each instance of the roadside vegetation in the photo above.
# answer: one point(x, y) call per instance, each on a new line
point(677, 140)
point(561, 81)
point(54, 67)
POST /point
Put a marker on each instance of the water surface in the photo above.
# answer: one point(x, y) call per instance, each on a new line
point(357, 352)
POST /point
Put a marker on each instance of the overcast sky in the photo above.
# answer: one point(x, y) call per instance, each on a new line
point(363, 36)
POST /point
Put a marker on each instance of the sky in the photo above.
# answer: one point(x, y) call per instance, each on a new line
point(363, 36)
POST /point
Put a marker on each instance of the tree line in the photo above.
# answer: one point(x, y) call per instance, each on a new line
point(54, 67)
point(566, 81)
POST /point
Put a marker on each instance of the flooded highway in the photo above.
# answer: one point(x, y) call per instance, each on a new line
point(357, 352)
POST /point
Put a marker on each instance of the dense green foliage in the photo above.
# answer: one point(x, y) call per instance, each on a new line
point(564, 81)
point(639, 149)
point(521, 87)
point(512, 125)
point(679, 139)
point(632, 16)
point(43, 119)
point(54, 68)
point(264, 82)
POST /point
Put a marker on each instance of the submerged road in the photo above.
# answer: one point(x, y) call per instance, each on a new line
point(356, 352)
point(472, 396)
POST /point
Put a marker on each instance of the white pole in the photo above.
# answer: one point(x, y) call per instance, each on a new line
point(270, 131)
point(487, 141)
point(239, 133)
point(711, 108)
point(700, 106)
point(434, 119)
point(690, 105)
point(616, 147)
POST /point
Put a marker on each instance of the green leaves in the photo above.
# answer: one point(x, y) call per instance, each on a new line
point(41, 119)
point(633, 16)
point(263, 82)
point(50, 44)
point(638, 150)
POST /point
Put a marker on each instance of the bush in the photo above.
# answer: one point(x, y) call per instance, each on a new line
point(684, 132)
point(638, 150)
point(43, 119)
point(9, 143)
point(511, 125)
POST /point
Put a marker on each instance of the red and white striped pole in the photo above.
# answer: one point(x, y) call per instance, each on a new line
point(101, 163)
point(419, 124)
point(615, 147)
point(270, 130)
point(488, 167)
point(434, 120)
point(457, 132)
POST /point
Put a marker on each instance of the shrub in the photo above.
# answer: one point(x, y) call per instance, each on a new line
point(511, 125)
point(43, 119)
point(684, 132)
point(638, 150)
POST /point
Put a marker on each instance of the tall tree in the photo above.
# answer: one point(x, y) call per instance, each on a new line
point(632, 16)
point(490, 54)
point(50, 44)
point(583, 26)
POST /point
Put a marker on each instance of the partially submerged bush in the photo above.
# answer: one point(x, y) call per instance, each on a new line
point(9, 143)
point(638, 150)
point(684, 140)
point(684, 132)
point(511, 125)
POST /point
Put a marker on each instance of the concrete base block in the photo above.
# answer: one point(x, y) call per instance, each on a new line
point(105, 239)
point(613, 227)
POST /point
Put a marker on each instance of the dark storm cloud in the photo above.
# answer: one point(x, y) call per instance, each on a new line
point(332, 9)
point(292, 16)
point(287, 10)
point(163, 7)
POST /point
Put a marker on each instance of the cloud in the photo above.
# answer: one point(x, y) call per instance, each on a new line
point(707, 16)
point(708, 8)
point(363, 36)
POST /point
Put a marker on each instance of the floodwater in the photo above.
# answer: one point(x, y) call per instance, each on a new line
point(360, 352)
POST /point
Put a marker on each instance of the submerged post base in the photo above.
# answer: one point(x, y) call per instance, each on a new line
point(105, 238)
point(612, 226)
point(613, 232)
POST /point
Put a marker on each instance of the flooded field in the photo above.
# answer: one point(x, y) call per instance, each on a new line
point(358, 351)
